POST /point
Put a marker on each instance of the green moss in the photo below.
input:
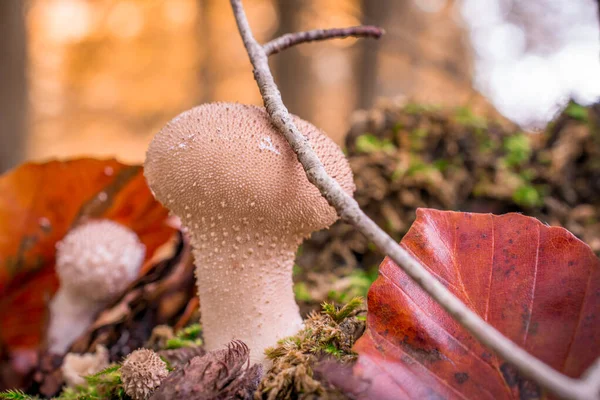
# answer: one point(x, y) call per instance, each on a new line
point(105, 384)
point(397, 127)
point(331, 349)
point(15, 394)
point(528, 196)
point(528, 174)
point(296, 270)
point(417, 139)
point(465, 116)
point(369, 143)
point(441, 165)
point(577, 112)
point(186, 337)
point(331, 332)
point(360, 282)
point(338, 315)
point(518, 149)
point(301, 292)
point(417, 166)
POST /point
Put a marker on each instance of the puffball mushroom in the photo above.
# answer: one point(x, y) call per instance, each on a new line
point(95, 262)
point(245, 200)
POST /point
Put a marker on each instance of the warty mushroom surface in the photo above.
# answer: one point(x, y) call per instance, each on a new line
point(95, 262)
point(243, 196)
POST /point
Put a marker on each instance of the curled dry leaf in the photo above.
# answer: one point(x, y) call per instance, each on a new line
point(178, 358)
point(39, 203)
point(538, 285)
point(219, 374)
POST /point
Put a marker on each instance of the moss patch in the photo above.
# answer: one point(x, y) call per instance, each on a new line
point(329, 333)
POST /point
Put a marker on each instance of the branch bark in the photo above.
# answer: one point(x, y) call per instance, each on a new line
point(291, 39)
point(348, 209)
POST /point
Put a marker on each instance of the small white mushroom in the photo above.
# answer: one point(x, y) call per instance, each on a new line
point(243, 196)
point(95, 262)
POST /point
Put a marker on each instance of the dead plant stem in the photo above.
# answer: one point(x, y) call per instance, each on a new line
point(291, 39)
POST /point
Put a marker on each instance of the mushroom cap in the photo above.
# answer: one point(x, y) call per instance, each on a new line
point(98, 259)
point(228, 161)
point(142, 372)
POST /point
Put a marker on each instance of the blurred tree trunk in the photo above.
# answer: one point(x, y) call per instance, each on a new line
point(424, 56)
point(292, 68)
point(208, 78)
point(13, 84)
point(374, 13)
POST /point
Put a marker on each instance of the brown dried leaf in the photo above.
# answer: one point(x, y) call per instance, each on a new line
point(220, 374)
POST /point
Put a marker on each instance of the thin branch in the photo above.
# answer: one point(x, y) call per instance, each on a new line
point(349, 211)
point(591, 377)
point(291, 39)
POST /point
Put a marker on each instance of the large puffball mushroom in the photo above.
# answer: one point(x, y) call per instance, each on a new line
point(243, 196)
point(95, 262)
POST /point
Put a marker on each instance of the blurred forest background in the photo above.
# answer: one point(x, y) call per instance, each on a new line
point(100, 77)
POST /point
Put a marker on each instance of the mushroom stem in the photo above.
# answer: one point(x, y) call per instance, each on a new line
point(247, 295)
point(71, 316)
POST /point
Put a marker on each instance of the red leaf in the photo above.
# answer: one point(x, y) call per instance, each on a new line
point(538, 285)
point(39, 203)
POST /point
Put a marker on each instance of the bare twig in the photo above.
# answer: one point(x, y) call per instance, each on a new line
point(349, 211)
point(291, 39)
point(591, 378)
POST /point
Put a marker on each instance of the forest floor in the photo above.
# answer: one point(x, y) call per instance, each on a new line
point(404, 156)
